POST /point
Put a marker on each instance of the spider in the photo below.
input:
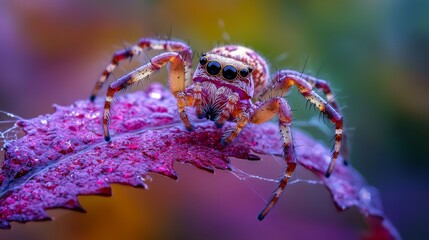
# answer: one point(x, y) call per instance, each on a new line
point(230, 83)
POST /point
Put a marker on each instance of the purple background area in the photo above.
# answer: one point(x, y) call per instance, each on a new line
point(373, 53)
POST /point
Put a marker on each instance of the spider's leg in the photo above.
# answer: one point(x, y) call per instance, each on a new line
point(266, 111)
point(228, 109)
point(176, 80)
point(284, 80)
point(315, 83)
point(327, 90)
point(145, 43)
point(198, 101)
point(242, 120)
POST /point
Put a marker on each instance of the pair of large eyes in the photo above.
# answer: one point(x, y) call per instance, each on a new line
point(229, 72)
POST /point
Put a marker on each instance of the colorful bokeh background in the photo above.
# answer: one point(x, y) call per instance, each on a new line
point(374, 53)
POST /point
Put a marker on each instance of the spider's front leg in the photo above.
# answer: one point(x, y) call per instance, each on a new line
point(263, 113)
point(135, 50)
point(176, 82)
point(326, 88)
point(281, 84)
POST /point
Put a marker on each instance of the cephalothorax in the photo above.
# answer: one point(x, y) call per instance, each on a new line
point(222, 88)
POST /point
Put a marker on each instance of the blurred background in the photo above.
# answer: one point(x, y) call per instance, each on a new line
point(374, 54)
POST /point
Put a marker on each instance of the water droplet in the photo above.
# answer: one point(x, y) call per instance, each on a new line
point(141, 178)
point(365, 195)
point(142, 181)
point(155, 95)
point(44, 121)
point(148, 178)
point(92, 115)
point(49, 185)
point(327, 159)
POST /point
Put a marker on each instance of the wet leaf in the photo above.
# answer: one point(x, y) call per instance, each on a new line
point(64, 155)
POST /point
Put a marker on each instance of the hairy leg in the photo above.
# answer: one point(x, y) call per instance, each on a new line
point(242, 120)
point(327, 90)
point(228, 109)
point(176, 80)
point(145, 43)
point(265, 112)
point(315, 83)
point(284, 80)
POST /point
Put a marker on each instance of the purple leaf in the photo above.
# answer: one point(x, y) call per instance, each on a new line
point(64, 155)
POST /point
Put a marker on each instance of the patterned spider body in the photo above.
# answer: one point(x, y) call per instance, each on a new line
point(230, 83)
point(225, 78)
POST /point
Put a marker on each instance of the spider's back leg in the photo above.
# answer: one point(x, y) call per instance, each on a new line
point(137, 49)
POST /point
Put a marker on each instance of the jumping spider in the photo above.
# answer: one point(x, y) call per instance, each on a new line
point(222, 88)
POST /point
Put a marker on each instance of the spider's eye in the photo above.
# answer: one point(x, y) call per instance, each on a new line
point(250, 69)
point(229, 72)
point(213, 67)
point(203, 60)
point(244, 72)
